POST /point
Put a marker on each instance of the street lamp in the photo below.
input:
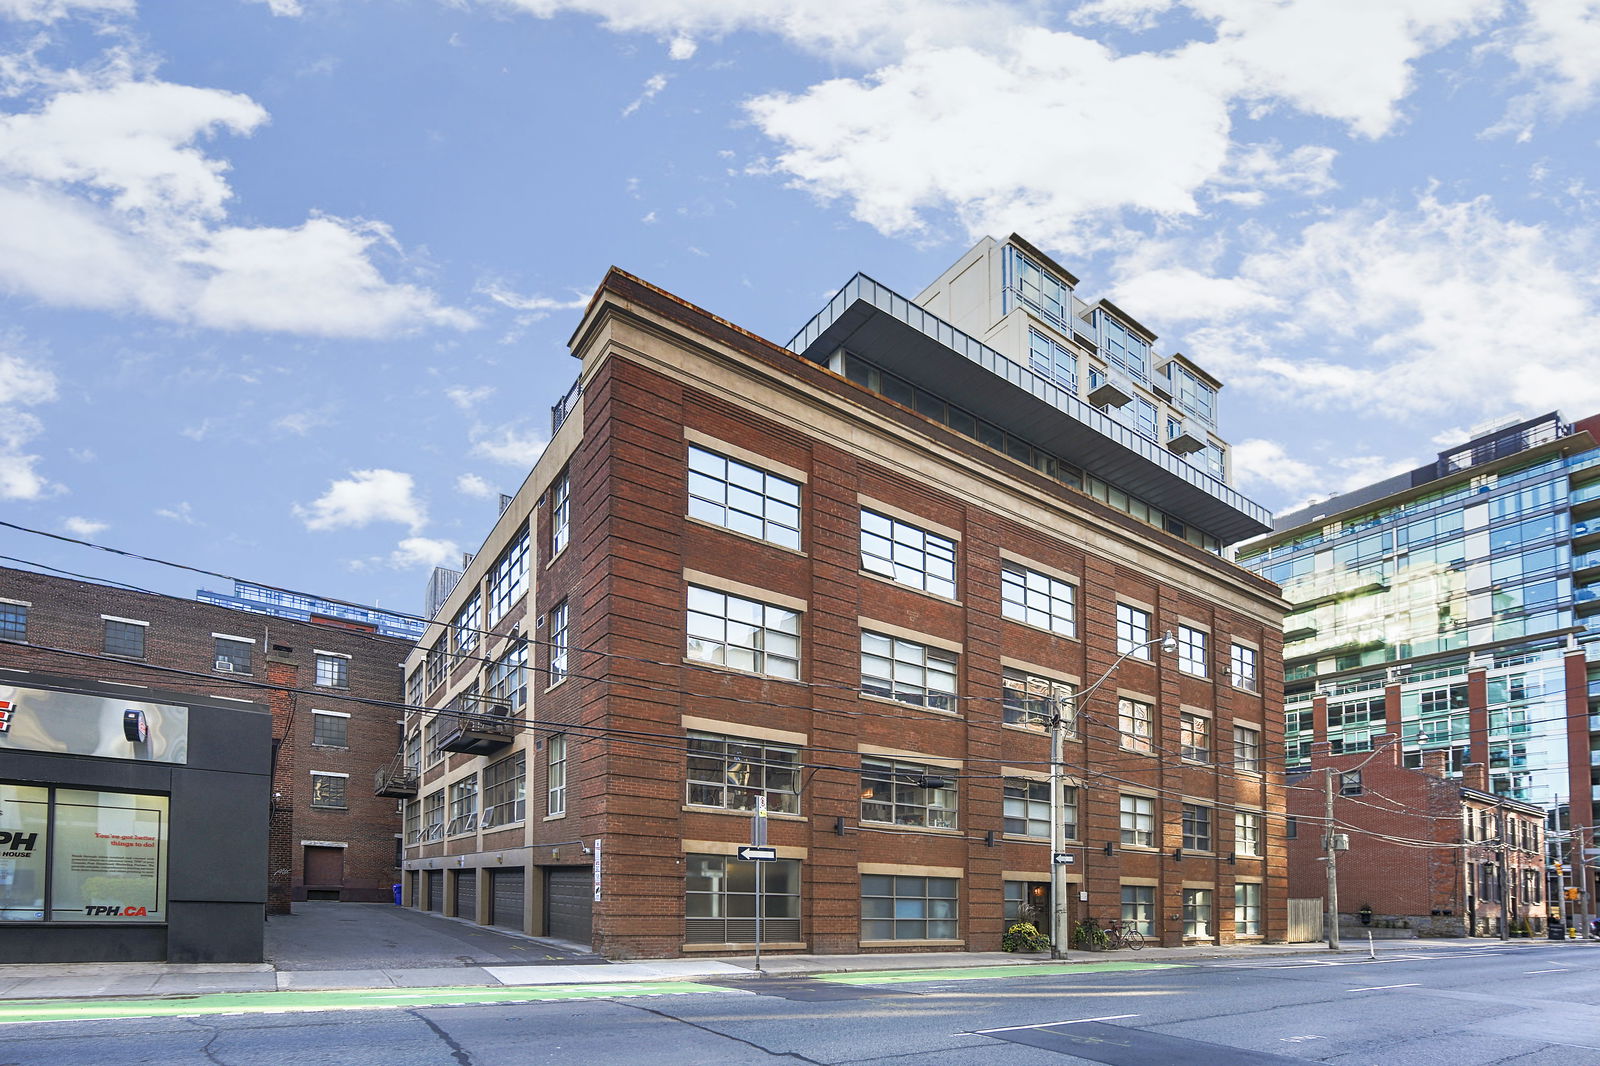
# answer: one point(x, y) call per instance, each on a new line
point(1059, 928)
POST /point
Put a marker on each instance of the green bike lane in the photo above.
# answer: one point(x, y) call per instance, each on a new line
point(14, 1012)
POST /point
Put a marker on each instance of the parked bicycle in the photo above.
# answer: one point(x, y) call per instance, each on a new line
point(1091, 935)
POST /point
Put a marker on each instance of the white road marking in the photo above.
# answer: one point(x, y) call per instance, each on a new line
point(1046, 1025)
point(1379, 988)
point(1558, 969)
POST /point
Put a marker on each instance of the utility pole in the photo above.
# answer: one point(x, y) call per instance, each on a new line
point(1059, 926)
point(1333, 863)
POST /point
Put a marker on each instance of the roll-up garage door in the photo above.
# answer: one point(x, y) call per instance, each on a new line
point(568, 901)
point(436, 890)
point(467, 894)
point(509, 889)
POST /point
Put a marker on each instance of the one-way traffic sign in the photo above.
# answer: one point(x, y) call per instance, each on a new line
point(752, 853)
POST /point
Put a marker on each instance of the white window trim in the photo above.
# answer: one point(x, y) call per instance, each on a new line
point(230, 636)
point(331, 714)
point(331, 654)
point(327, 773)
point(124, 621)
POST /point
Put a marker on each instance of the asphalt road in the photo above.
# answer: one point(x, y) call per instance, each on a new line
point(1473, 1006)
point(370, 936)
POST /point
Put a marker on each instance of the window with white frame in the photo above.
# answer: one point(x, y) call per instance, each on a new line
point(1133, 632)
point(909, 908)
point(1197, 913)
point(556, 775)
point(560, 513)
point(433, 816)
point(464, 629)
point(508, 678)
point(1052, 360)
point(905, 793)
point(1196, 827)
point(333, 671)
point(1192, 650)
point(1138, 821)
point(415, 690)
point(1247, 749)
point(504, 791)
point(329, 790)
point(1027, 808)
point(125, 638)
point(1028, 699)
point(413, 822)
point(558, 642)
point(906, 671)
point(1242, 667)
point(1037, 599)
point(1136, 724)
point(436, 665)
point(907, 554)
point(742, 633)
point(1247, 833)
point(233, 654)
point(1139, 908)
point(743, 498)
point(732, 772)
point(330, 729)
point(508, 577)
point(1246, 908)
point(1194, 736)
point(463, 806)
point(414, 751)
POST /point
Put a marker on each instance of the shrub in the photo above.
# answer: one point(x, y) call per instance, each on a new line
point(1024, 937)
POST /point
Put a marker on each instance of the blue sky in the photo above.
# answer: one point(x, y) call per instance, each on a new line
point(285, 285)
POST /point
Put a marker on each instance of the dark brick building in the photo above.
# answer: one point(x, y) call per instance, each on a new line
point(330, 837)
point(853, 578)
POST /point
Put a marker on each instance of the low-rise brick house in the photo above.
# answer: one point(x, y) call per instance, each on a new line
point(855, 578)
point(330, 837)
point(1439, 855)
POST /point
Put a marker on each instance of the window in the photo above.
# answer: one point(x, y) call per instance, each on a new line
point(433, 816)
point(508, 678)
point(464, 630)
point(463, 806)
point(1037, 599)
point(13, 621)
point(902, 552)
point(415, 690)
point(556, 776)
point(743, 498)
point(1194, 737)
point(1350, 783)
point(1133, 631)
point(508, 577)
point(1136, 723)
point(414, 751)
point(558, 642)
point(1247, 749)
point(730, 772)
point(1138, 821)
point(1053, 361)
point(1246, 909)
point(1196, 827)
point(560, 513)
point(1027, 808)
point(1291, 827)
point(504, 795)
point(1139, 908)
point(745, 634)
point(233, 655)
point(124, 637)
point(899, 793)
point(1247, 833)
point(330, 729)
point(1028, 699)
point(328, 790)
point(720, 900)
point(1197, 912)
point(1242, 667)
point(438, 726)
point(1192, 650)
point(909, 908)
point(907, 671)
point(414, 822)
point(436, 665)
point(333, 671)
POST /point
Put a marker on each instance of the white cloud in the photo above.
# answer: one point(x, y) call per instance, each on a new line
point(23, 383)
point(84, 527)
point(512, 445)
point(107, 202)
point(652, 88)
point(1266, 464)
point(284, 8)
point(682, 47)
point(468, 398)
point(366, 496)
point(52, 10)
point(473, 485)
point(180, 512)
point(1555, 48)
point(424, 551)
point(301, 423)
point(534, 306)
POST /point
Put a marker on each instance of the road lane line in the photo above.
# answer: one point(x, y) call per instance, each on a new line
point(1558, 969)
point(1379, 988)
point(1046, 1025)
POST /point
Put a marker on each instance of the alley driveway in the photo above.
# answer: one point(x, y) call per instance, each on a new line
point(380, 936)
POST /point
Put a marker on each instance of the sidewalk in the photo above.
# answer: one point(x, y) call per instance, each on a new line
point(89, 981)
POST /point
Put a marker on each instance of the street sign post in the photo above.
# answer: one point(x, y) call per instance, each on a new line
point(758, 844)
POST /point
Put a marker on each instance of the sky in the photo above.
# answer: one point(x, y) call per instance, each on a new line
point(286, 285)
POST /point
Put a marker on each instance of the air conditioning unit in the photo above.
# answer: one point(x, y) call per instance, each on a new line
point(225, 665)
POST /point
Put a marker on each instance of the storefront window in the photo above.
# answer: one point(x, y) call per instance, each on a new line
point(24, 846)
point(107, 855)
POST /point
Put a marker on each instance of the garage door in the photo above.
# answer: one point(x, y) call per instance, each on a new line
point(568, 897)
point(509, 889)
point(436, 890)
point(467, 894)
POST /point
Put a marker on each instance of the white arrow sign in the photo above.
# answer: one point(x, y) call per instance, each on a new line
point(752, 853)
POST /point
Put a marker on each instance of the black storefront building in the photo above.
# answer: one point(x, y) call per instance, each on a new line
point(133, 823)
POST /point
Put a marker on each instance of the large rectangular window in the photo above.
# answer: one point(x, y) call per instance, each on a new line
point(508, 678)
point(13, 621)
point(560, 513)
point(1246, 909)
point(1242, 667)
point(107, 855)
point(1138, 821)
point(1037, 599)
point(508, 577)
point(504, 791)
point(433, 816)
point(463, 806)
point(720, 900)
point(333, 671)
point(232, 655)
point(1196, 827)
point(745, 634)
point(1139, 908)
point(1197, 913)
point(330, 729)
point(730, 772)
point(556, 776)
point(1247, 749)
point(1136, 724)
point(125, 637)
point(1027, 808)
point(464, 630)
point(902, 552)
point(559, 617)
point(907, 671)
point(436, 665)
point(413, 822)
point(1192, 651)
point(1028, 699)
point(1247, 833)
point(909, 908)
point(1053, 361)
point(743, 498)
point(1194, 736)
point(1133, 632)
point(901, 793)
point(330, 791)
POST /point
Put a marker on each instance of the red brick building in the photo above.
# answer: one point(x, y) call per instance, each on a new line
point(1440, 856)
point(330, 837)
point(853, 578)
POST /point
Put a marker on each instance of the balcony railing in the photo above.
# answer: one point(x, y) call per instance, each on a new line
point(563, 408)
point(397, 780)
point(480, 734)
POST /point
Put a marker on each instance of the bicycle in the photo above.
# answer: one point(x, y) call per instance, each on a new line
point(1122, 934)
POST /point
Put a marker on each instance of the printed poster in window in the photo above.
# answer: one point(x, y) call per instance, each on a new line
point(24, 842)
point(110, 857)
